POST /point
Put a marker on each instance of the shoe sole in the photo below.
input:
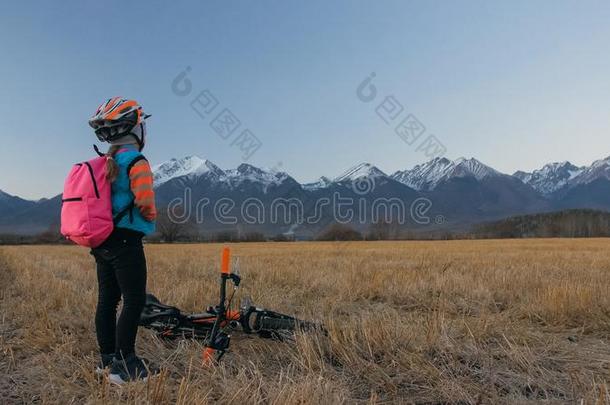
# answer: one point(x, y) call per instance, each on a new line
point(117, 380)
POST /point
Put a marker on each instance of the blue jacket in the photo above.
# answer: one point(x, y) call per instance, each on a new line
point(123, 197)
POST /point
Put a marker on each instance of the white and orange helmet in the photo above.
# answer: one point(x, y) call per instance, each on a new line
point(117, 118)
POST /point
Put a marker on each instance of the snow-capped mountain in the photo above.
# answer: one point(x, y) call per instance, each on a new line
point(362, 170)
point(426, 176)
point(251, 174)
point(551, 177)
point(599, 169)
point(194, 167)
point(463, 191)
point(246, 172)
point(423, 177)
point(322, 183)
point(473, 168)
point(188, 166)
point(4, 196)
point(563, 176)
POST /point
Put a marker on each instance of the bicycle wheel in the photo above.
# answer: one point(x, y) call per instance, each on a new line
point(273, 324)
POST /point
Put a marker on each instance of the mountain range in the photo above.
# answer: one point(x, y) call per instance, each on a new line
point(459, 193)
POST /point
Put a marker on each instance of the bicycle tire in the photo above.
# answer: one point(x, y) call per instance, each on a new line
point(272, 323)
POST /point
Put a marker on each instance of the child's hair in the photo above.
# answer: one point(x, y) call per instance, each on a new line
point(112, 168)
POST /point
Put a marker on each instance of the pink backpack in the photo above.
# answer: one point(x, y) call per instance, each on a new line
point(86, 211)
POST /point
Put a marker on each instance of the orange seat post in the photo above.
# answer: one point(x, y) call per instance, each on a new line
point(225, 260)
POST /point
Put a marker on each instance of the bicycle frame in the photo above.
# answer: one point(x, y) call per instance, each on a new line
point(216, 323)
point(218, 342)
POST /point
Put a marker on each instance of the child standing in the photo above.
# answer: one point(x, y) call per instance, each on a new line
point(121, 264)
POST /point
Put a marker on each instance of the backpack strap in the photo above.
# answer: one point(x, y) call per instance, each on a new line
point(97, 150)
point(129, 209)
point(133, 162)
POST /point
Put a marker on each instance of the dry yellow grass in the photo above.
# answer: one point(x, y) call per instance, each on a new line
point(409, 322)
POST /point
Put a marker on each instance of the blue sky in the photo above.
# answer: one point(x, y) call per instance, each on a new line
point(515, 84)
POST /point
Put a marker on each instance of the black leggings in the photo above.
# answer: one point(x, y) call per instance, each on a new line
point(121, 270)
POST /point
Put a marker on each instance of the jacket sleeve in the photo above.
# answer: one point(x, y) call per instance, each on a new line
point(141, 183)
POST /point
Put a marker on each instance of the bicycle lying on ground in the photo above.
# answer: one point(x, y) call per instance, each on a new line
point(216, 323)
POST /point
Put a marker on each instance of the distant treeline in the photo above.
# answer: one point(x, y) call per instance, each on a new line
point(563, 224)
point(579, 223)
point(45, 238)
point(55, 238)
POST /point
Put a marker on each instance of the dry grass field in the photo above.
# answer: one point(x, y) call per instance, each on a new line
point(486, 322)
